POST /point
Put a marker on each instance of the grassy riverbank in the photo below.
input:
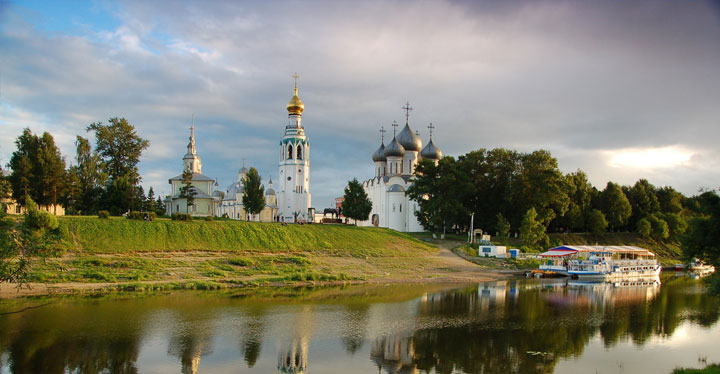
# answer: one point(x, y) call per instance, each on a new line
point(710, 369)
point(122, 254)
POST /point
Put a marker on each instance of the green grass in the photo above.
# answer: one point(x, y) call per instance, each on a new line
point(710, 369)
point(117, 236)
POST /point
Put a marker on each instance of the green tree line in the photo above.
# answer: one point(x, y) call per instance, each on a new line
point(511, 193)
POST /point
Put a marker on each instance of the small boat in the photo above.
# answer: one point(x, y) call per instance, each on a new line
point(615, 263)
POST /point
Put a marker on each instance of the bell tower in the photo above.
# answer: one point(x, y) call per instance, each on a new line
point(294, 167)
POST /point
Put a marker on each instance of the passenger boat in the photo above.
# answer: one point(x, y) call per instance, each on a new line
point(613, 263)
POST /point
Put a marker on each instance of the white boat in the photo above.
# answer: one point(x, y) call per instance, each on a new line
point(615, 263)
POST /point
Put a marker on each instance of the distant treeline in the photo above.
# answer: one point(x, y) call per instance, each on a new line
point(526, 193)
point(104, 178)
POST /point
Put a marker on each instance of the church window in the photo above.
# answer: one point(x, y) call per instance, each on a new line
point(400, 208)
point(177, 208)
point(289, 153)
point(393, 208)
point(299, 152)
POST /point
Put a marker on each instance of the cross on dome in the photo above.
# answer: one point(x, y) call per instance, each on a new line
point(394, 125)
point(407, 109)
point(382, 134)
point(431, 127)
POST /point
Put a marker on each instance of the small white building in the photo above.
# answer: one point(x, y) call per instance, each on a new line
point(206, 197)
point(487, 249)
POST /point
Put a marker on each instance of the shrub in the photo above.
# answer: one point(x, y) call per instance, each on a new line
point(181, 217)
point(209, 218)
point(103, 214)
point(142, 216)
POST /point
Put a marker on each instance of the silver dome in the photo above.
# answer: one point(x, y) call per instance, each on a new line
point(394, 149)
point(431, 151)
point(270, 191)
point(409, 140)
point(379, 155)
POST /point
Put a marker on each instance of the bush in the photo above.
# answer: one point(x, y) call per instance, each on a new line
point(714, 285)
point(209, 218)
point(142, 216)
point(103, 214)
point(181, 217)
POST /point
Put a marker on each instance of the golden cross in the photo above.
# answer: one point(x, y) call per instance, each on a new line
point(296, 76)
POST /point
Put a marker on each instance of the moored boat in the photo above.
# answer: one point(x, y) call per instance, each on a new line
point(613, 263)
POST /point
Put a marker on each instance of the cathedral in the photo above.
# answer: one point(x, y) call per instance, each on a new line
point(290, 204)
point(394, 168)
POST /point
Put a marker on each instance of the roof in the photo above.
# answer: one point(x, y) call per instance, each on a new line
point(198, 194)
point(431, 151)
point(567, 250)
point(394, 149)
point(379, 155)
point(195, 177)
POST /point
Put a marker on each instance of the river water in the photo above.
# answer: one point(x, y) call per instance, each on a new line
point(515, 326)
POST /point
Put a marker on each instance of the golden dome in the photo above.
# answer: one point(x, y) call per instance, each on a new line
point(295, 106)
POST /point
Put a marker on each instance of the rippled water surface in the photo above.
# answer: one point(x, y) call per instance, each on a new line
point(518, 326)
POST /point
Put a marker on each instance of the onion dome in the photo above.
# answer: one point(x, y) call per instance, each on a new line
point(270, 191)
point(409, 140)
point(295, 105)
point(396, 188)
point(394, 149)
point(431, 151)
point(379, 155)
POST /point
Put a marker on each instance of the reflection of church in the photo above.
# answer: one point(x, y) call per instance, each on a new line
point(395, 353)
point(394, 168)
point(293, 355)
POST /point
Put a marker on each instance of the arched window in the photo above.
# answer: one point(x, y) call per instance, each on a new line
point(289, 151)
point(299, 152)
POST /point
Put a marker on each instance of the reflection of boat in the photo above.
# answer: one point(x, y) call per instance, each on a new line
point(612, 263)
point(626, 291)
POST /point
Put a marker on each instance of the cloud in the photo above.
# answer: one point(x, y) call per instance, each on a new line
point(581, 79)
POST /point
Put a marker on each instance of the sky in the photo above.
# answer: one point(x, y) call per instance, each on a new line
point(622, 90)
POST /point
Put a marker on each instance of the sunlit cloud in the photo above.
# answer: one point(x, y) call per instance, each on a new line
point(649, 158)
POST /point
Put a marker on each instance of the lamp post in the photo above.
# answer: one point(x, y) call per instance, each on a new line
point(472, 229)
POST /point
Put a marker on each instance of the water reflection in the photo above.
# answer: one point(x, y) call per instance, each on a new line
point(518, 326)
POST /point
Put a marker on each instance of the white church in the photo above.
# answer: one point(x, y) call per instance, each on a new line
point(394, 168)
point(291, 203)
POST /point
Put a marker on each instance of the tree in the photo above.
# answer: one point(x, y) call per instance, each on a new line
point(702, 239)
point(643, 200)
point(150, 201)
point(356, 204)
point(253, 193)
point(615, 205)
point(5, 190)
point(644, 228)
point(596, 222)
point(38, 169)
point(120, 149)
point(676, 224)
point(35, 236)
point(670, 200)
point(502, 226)
point(438, 190)
point(160, 206)
point(187, 191)
point(532, 231)
point(89, 175)
point(660, 230)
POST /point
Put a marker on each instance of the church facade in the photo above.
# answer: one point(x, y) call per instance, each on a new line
point(293, 196)
point(394, 168)
point(207, 198)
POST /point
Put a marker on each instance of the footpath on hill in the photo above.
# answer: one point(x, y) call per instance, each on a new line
point(125, 255)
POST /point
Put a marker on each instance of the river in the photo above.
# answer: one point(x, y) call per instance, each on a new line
point(514, 326)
